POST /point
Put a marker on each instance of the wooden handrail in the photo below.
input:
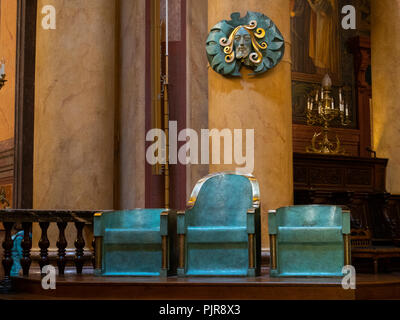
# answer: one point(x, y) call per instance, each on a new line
point(10, 217)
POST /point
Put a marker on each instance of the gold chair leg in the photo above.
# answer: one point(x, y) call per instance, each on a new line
point(181, 251)
point(164, 250)
point(272, 240)
point(347, 250)
point(99, 254)
point(251, 251)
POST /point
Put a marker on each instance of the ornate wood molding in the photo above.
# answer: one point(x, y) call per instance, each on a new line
point(6, 161)
point(339, 173)
point(24, 103)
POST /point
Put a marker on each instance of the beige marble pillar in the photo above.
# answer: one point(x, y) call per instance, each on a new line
point(8, 47)
point(385, 52)
point(261, 103)
point(132, 116)
point(74, 109)
point(197, 80)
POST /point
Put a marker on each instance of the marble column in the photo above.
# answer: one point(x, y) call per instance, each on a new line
point(74, 109)
point(8, 43)
point(385, 50)
point(132, 116)
point(261, 103)
point(197, 81)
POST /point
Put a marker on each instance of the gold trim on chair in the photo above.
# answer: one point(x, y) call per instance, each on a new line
point(347, 252)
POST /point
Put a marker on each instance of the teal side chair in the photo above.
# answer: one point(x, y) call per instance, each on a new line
point(138, 242)
point(219, 233)
point(309, 241)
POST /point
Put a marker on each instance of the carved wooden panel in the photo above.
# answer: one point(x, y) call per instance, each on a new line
point(359, 177)
point(325, 176)
point(6, 172)
point(6, 191)
point(339, 173)
point(302, 135)
point(6, 161)
point(361, 49)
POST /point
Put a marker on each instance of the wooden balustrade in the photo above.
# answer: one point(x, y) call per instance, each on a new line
point(10, 217)
point(61, 245)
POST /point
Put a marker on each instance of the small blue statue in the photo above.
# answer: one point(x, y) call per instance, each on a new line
point(16, 252)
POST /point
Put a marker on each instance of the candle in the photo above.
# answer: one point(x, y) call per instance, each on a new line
point(327, 81)
point(347, 111)
point(332, 105)
point(340, 96)
point(2, 68)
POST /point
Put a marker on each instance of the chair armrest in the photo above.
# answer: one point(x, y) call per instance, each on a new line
point(346, 222)
point(272, 229)
point(164, 223)
point(98, 229)
point(181, 228)
point(251, 217)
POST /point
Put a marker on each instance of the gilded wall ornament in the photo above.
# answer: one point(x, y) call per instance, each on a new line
point(253, 41)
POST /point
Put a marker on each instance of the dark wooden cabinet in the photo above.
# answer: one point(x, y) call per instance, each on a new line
point(338, 173)
point(357, 183)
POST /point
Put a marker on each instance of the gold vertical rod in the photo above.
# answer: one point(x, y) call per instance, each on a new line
point(181, 251)
point(272, 240)
point(347, 257)
point(156, 71)
point(164, 248)
point(166, 128)
point(251, 251)
point(99, 252)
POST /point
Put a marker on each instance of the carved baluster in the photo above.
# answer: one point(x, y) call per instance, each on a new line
point(44, 245)
point(26, 245)
point(7, 259)
point(79, 245)
point(61, 245)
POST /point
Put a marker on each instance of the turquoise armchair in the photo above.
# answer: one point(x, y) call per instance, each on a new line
point(309, 240)
point(219, 233)
point(139, 242)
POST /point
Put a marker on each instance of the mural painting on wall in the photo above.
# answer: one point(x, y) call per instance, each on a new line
point(253, 41)
point(314, 37)
point(319, 47)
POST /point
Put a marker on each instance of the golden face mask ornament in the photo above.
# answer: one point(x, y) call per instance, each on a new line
point(244, 39)
point(242, 44)
point(253, 41)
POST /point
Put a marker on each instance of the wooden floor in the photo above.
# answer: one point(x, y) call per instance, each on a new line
point(87, 286)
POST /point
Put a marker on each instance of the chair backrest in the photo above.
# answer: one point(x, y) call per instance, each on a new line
point(310, 216)
point(220, 200)
point(135, 219)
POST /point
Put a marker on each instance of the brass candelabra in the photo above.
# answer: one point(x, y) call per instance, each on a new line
point(321, 111)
